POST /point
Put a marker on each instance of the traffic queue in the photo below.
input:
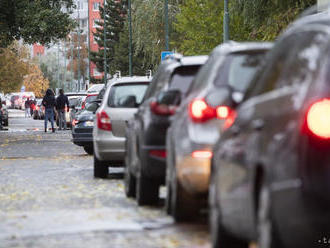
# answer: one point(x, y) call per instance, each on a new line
point(243, 133)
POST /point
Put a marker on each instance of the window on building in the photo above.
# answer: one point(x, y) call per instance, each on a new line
point(83, 23)
point(95, 21)
point(96, 72)
point(96, 6)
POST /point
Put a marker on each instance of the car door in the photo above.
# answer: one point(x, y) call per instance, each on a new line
point(261, 119)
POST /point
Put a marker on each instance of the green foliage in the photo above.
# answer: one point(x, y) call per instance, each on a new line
point(114, 13)
point(121, 56)
point(34, 21)
point(148, 24)
point(198, 26)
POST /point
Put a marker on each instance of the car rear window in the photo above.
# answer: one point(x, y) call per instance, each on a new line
point(91, 98)
point(182, 78)
point(120, 91)
point(74, 101)
point(238, 70)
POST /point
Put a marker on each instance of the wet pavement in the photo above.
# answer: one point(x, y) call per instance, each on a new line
point(49, 198)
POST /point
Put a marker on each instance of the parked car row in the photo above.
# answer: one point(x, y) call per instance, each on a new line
point(243, 133)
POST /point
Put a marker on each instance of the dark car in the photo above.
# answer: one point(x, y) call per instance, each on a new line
point(145, 158)
point(82, 127)
point(206, 109)
point(4, 114)
point(271, 169)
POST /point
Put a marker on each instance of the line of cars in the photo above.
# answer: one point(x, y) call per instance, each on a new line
point(243, 133)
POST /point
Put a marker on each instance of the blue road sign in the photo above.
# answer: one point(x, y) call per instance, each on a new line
point(164, 54)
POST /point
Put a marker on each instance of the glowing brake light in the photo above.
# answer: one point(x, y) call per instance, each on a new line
point(223, 112)
point(200, 111)
point(318, 118)
point(103, 121)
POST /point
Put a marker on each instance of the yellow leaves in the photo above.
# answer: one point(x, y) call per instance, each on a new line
point(35, 81)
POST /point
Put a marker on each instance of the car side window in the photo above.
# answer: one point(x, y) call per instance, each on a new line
point(266, 78)
point(291, 61)
point(304, 60)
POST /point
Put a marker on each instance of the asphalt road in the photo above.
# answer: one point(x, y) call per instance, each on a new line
point(49, 198)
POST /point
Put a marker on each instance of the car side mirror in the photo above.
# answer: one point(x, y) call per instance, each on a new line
point(128, 102)
point(171, 97)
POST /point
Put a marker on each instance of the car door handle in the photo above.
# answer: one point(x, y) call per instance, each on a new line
point(258, 124)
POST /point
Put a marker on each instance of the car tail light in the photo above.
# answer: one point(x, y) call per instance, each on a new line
point(318, 118)
point(162, 109)
point(200, 111)
point(202, 154)
point(158, 153)
point(103, 121)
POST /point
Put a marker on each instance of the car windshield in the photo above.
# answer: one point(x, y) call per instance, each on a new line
point(120, 92)
point(238, 70)
point(182, 78)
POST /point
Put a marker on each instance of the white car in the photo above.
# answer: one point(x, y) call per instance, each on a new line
point(121, 100)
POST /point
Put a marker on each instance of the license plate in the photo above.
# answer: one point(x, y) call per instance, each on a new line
point(89, 124)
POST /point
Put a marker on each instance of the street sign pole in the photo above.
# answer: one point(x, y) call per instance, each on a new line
point(166, 26)
point(226, 22)
point(130, 37)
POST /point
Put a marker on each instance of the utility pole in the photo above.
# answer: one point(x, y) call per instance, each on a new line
point(226, 22)
point(58, 65)
point(167, 47)
point(104, 44)
point(130, 38)
point(89, 46)
point(71, 45)
point(78, 47)
point(64, 81)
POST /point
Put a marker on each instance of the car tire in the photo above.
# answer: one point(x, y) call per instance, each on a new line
point(130, 182)
point(179, 202)
point(89, 149)
point(101, 169)
point(147, 191)
point(268, 236)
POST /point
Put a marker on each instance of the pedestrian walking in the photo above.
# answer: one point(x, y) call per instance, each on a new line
point(32, 106)
point(62, 101)
point(49, 102)
point(27, 107)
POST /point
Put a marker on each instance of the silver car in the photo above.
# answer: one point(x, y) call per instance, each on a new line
point(120, 102)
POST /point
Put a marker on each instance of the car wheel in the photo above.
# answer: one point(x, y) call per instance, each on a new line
point(146, 191)
point(130, 182)
point(180, 200)
point(100, 168)
point(89, 149)
point(267, 232)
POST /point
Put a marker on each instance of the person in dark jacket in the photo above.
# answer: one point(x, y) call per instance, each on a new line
point(49, 102)
point(61, 101)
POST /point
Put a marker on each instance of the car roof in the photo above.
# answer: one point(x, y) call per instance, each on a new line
point(134, 79)
point(81, 93)
point(236, 47)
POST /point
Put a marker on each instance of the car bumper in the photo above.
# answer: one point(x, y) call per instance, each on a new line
point(194, 174)
point(109, 148)
point(82, 139)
